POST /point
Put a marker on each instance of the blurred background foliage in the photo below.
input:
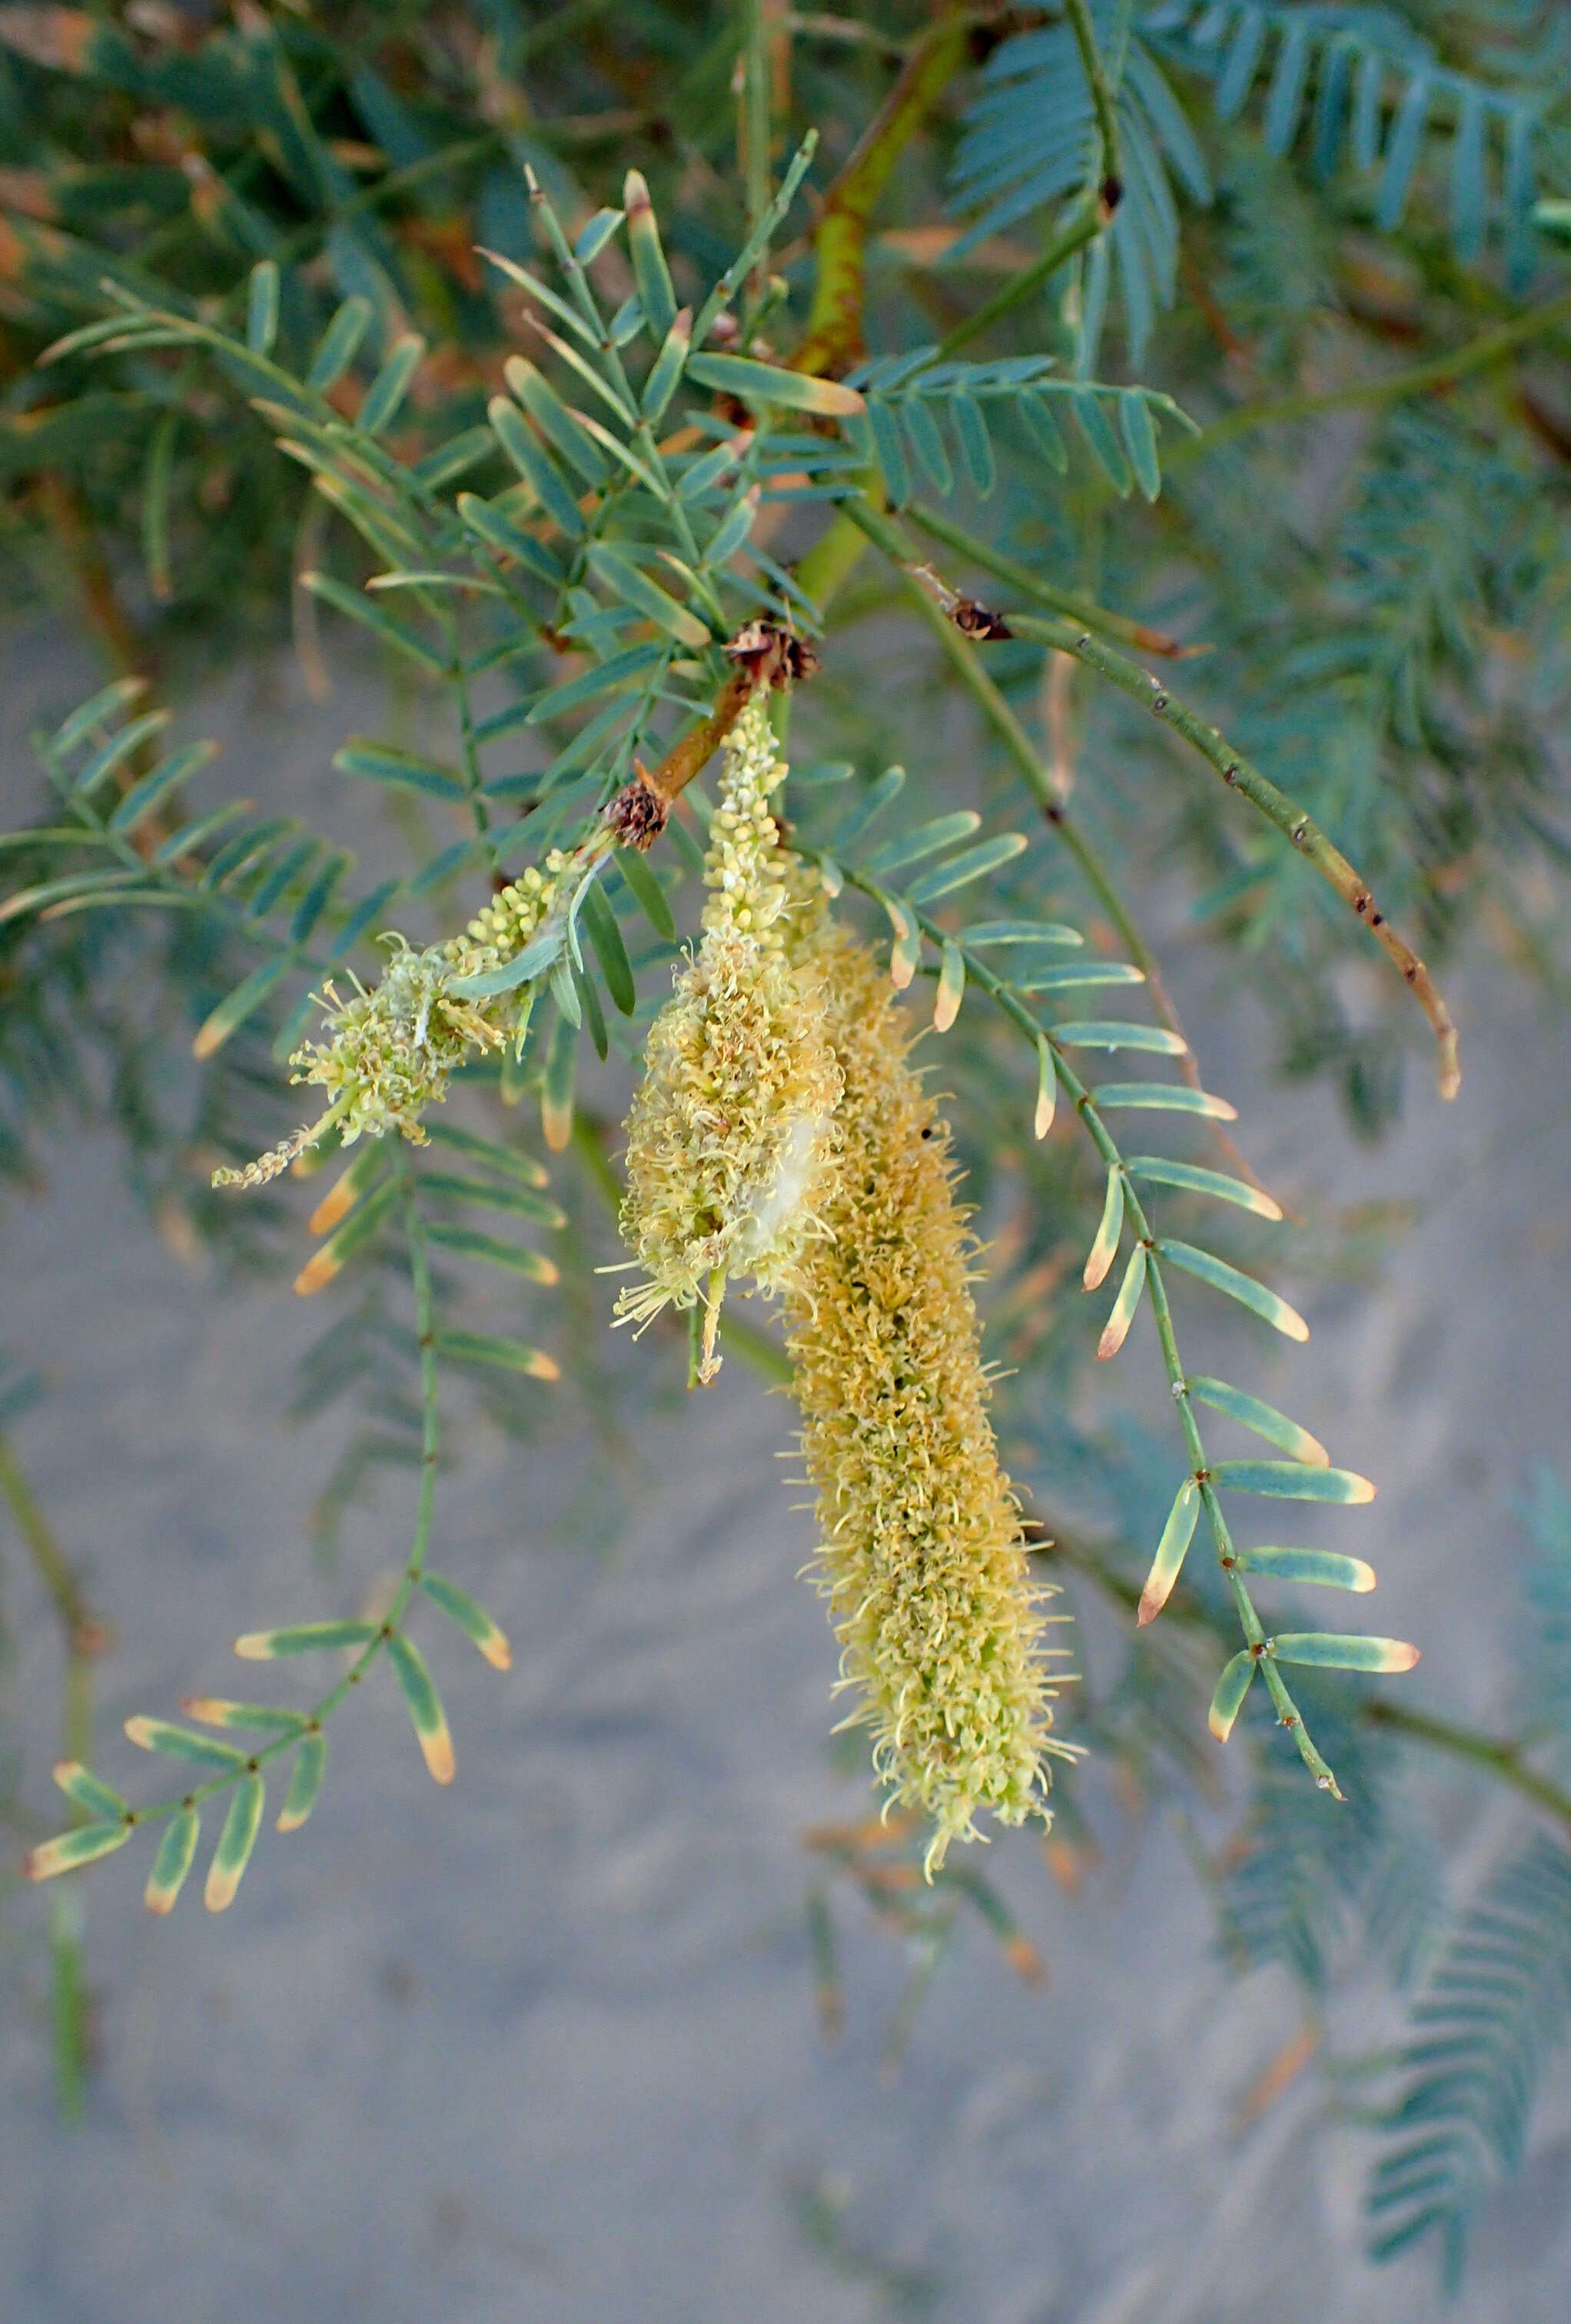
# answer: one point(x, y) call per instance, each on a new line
point(1340, 248)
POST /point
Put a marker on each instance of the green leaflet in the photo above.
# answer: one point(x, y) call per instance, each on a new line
point(172, 1861)
point(89, 1792)
point(562, 427)
point(1320, 1565)
point(114, 753)
point(1264, 1419)
point(878, 796)
point(486, 1348)
point(179, 1743)
point(650, 270)
point(83, 1845)
point(233, 1010)
point(97, 711)
point(1118, 1033)
point(425, 1707)
point(1171, 1550)
point(1076, 976)
point(930, 838)
point(767, 384)
point(339, 344)
point(1231, 1689)
point(1046, 1089)
point(235, 1842)
point(355, 1233)
point(1325, 1650)
point(303, 1638)
point(392, 384)
point(642, 884)
point(305, 1782)
point(972, 863)
point(523, 1201)
point(605, 936)
point(618, 574)
point(1191, 1179)
point(1115, 1331)
point(1104, 1249)
point(370, 616)
point(1236, 1284)
point(1292, 1480)
point(474, 1621)
point(380, 762)
point(508, 1160)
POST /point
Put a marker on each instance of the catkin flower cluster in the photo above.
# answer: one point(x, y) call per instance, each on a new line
point(782, 1137)
point(921, 1558)
point(731, 1134)
point(390, 1052)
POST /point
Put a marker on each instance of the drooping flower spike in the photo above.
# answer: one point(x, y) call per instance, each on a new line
point(731, 1135)
point(921, 1558)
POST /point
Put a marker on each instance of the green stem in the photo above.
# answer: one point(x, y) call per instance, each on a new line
point(1089, 215)
point(84, 1638)
point(1021, 578)
point(82, 1631)
point(159, 1811)
point(1501, 1760)
point(1152, 693)
point(1439, 371)
point(1081, 223)
point(754, 125)
point(1102, 99)
point(474, 777)
point(967, 664)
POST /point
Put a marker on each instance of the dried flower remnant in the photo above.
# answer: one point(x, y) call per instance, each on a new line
point(730, 1135)
point(922, 1560)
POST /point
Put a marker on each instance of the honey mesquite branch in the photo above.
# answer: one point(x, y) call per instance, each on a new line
point(1236, 771)
point(962, 656)
point(1143, 686)
point(764, 655)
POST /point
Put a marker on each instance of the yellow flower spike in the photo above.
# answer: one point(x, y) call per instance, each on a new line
point(921, 1559)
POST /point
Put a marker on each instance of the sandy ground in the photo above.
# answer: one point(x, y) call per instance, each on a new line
point(544, 2047)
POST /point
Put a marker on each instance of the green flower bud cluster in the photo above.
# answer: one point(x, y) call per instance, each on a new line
point(731, 1135)
point(389, 1052)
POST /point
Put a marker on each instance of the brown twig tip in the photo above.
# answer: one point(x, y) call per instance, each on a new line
point(772, 654)
point(638, 813)
point(975, 620)
point(971, 619)
point(1450, 1063)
